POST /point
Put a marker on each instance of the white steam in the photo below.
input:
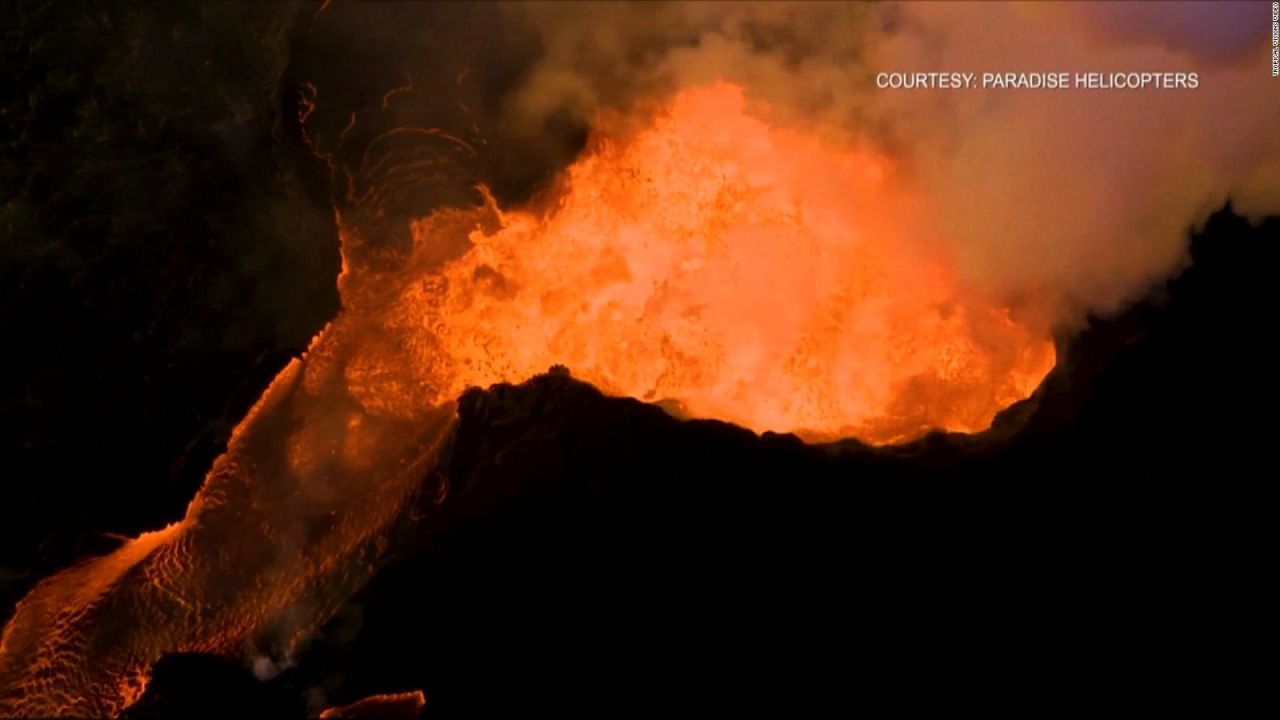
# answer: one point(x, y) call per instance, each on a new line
point(1080, 199)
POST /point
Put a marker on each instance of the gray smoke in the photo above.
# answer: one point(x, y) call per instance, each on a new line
point(1075, 201)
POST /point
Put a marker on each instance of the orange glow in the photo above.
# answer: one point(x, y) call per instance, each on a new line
point(703, 258)
point(388, 705)
point(745, 272)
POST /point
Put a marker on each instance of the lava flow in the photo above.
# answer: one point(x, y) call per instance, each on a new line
point(701, 258)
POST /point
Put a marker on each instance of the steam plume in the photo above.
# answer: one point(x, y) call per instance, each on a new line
point(1078, 198)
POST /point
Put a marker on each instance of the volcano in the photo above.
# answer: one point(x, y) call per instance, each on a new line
point(596, 556)
point(669, 368)
point(648, 275)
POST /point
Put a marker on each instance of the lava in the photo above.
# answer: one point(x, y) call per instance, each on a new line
point(738, 271)
point(698, 257)
point(389, 705)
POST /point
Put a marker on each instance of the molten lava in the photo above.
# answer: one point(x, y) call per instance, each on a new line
point(745, 272)
point(385, 707)
point(700, 257)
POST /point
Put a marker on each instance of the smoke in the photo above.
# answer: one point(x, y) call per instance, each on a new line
point(1070, 201)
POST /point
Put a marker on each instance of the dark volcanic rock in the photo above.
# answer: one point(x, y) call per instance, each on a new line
point(194, 687)
point(162, 261)
point(1102, 549)
point(597, 558)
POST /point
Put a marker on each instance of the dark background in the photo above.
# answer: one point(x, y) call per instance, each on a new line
point(169, 242)
point(168, 228)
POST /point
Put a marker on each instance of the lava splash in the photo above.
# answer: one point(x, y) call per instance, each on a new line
point(736, 271)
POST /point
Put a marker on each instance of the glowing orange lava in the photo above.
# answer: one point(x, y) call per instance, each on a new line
point(388, 705)
point(747, 273)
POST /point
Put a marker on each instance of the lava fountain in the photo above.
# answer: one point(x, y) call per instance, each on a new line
point(742, 272)
point(701, 258)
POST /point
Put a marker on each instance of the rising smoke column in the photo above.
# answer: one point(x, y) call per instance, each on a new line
point(1086, 196)
point(1077, 201)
